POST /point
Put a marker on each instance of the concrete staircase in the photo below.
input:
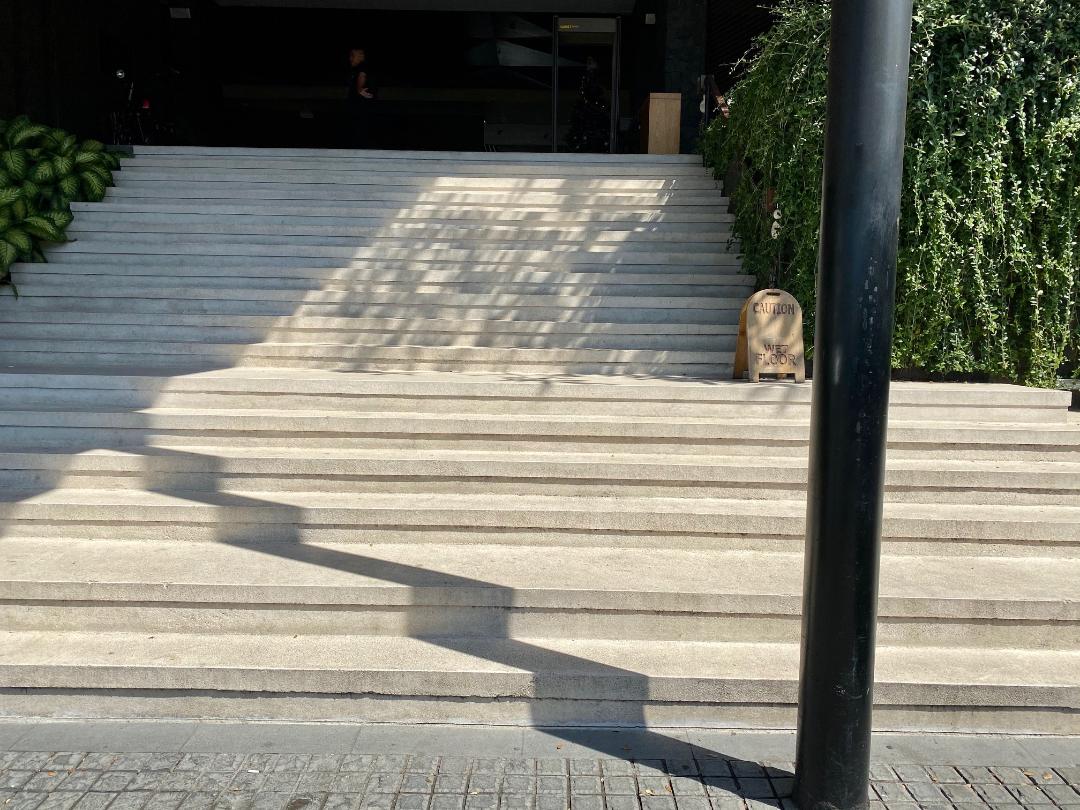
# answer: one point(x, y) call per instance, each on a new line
point(407, 261)
point(202, 515)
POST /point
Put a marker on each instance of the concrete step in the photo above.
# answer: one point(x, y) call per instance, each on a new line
point(597, 249)
point(289, 305)
point(568, 287)
point(357, 363)
point(719, 409)
point(437, 592)
point(385, 273)
point(279, 390)
point(696, 434)
point(256, 517)
point(404, 199)
point(437, 167)
point(266, 325)
point(206, 468)
point(580, 161)
point(277, 224)
point(540, 681)
point(353, 250)
point(325, 343)
point(383, 212)
point(87, 289)
point(285, 265)
point(567, 182)
point(375, 353)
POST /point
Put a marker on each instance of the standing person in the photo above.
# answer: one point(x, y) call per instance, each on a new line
point(361, 101)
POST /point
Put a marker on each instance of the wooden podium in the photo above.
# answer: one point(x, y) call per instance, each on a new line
point(661, 123)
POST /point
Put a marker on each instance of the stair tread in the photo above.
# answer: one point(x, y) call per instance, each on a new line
point(584, 425)
point(606, 462)
point(304, 505)
point(659, 669)
point(522, 577)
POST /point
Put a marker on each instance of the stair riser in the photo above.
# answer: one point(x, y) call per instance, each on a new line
point(478, 482)
point(435, 620)
point(61, 284)
point(59, 398)
point(191, 364)
point(403, 199)
point(432, 169)
point(226, 342)
point(575, 394)
point(623, 698)
point(353, 175)
point(284, 309)
point(284, 265)
point(360, 210)
point(61, 439)
point(155, 703)
point(421, 424)
point(420, 158)
point(373, 273)
point(373, 245)
point(364, 353)
point(120, 225)
point(170, 245)
point(302, 188)
point(1044, 553)
point(313, 325)
point(259, 518)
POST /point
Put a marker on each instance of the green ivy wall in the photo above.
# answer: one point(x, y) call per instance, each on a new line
point(989, 269)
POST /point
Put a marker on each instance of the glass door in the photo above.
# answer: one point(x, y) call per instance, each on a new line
point(585, 84)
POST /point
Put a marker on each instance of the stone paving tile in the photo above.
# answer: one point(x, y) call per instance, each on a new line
point(481, 801)
point(297, 781)
point(1069, 775)
point(586, 802)
point(412, 801)
point(620, 786)
point(586, 785)
point(552, 802)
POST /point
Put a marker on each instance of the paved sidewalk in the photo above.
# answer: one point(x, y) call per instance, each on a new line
point(116, 765)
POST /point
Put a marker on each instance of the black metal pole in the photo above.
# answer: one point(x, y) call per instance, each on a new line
point(864, 147)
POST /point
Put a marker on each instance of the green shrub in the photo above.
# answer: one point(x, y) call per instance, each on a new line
point(988, 278)
point(42, 171)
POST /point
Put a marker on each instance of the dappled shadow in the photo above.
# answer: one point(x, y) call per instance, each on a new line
point(161, 298)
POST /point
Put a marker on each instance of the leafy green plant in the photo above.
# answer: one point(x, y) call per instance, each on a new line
point(988, 278)
point(42, 171)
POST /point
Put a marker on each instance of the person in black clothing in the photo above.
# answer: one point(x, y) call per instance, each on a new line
point(361, 100)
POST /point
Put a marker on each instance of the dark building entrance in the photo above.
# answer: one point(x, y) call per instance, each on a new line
point(447, 74)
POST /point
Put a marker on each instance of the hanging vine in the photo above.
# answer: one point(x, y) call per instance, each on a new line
point(988, 277)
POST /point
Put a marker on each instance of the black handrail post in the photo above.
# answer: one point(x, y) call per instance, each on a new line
point(864, 147)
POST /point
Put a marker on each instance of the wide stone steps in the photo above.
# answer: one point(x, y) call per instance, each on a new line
point(535, 497)
point(542, 681)
point(460, 591)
